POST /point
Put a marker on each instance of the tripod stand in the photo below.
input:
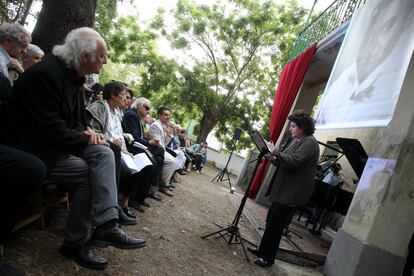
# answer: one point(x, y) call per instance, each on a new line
point(224, 171)
point(233, 229)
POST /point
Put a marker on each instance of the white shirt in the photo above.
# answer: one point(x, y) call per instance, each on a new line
point(114, 130)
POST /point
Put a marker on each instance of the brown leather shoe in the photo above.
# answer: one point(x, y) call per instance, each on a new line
point(166, 191)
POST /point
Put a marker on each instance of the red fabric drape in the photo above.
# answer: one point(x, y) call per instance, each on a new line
point(289, 83)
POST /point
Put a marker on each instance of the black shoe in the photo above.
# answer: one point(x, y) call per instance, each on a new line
point(135, 204)
point(254, 251)
point(84, 256)
point(124, 219)
point(129, 213)
point(146, 204)
point(262, 262)
point(115, 236)
point(155, 196)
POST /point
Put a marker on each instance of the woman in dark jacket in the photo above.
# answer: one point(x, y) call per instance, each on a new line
point(292, 184)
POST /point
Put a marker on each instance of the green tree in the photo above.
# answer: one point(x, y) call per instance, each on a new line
point(105, 14)
point(14, 10)
point(244, 45)
point(130, 44)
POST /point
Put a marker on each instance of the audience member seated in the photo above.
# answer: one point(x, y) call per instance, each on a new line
point(184, 145)
point(14, 40)
point(198, 152)
point(129, 98)
point(33, 55)
point(180, 153)
point(157, 132)
point(133, 123)
point(104, 117)
point(46, 118)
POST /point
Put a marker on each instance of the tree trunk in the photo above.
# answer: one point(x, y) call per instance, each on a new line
point(58, 17)
point(206, 126)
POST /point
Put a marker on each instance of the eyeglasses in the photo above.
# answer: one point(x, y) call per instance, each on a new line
point(146, 108)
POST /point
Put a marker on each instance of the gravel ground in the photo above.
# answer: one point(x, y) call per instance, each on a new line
point(172, 229)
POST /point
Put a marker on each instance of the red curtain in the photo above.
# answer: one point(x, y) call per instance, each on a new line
point(289, 83)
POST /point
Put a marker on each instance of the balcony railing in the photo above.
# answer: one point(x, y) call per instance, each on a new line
point(337, 13)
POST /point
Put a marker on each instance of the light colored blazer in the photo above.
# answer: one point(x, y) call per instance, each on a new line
point(157, 132)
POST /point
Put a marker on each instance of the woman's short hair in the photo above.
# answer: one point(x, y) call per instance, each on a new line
point(77, 42)
point(304, 121)
point(140, 102)
point(130, 92)
point(112, 88)
point(13, 31)
point(33, 50)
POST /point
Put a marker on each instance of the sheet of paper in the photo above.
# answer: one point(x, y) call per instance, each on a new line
point(130, 162)
point(139, 145)
point(141, 161)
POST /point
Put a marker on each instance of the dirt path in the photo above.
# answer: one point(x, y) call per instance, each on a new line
point(172, 229)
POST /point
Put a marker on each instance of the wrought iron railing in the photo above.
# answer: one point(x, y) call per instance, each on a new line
point(337, 13)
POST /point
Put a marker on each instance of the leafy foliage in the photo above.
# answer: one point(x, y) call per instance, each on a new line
point(243, 46)
point(235, 51)
point(104, 16)
point(12, 10)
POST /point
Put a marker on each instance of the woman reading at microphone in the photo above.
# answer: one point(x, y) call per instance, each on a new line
point(292, 184)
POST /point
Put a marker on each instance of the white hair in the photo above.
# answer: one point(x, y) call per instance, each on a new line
point(140, 102)
point(13, 31)
point(77, 42)
point(33, 50)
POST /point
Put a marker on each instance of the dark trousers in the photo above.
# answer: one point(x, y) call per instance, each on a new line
point(279, 216)
point(158, 153)
point(20, 175)
point(198, 159)
point(135, 185)
point(117, 155)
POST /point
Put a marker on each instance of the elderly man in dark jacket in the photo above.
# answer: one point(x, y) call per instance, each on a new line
point(48, 120)
point(132, 124)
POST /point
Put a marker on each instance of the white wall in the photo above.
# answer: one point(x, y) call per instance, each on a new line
point(219, 158)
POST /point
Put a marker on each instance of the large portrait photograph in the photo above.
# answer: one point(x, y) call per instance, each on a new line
point(366, 80)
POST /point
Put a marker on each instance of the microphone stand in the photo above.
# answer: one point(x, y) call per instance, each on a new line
point(231, 234)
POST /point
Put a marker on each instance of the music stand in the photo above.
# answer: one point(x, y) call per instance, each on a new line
point(225, 171)
point(233, 230)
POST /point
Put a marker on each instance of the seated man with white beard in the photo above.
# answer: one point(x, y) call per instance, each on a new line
point(46, 117)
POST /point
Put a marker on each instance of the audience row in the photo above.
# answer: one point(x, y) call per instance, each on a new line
point(98, 143)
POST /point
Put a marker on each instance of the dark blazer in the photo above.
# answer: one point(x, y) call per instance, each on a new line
point(131, 123)
point(47, 112)
point(294, 180)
